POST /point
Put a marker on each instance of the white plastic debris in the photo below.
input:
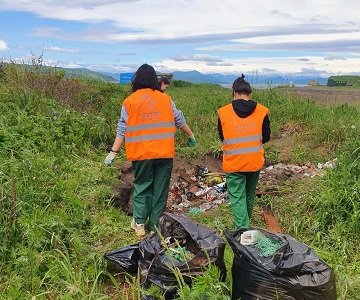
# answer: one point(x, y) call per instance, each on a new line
point(250, 237)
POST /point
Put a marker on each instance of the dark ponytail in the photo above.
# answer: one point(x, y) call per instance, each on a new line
point(241, 86)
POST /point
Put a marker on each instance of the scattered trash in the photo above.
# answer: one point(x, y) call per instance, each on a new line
point(269, 168)
point(179, 253)
point(266, 246)
point(220, 187)
point(274, 175)
point(278, 266)
point(271, 222)
point(194, 211)
point(197, 188)
point(249, 237)
point(328, 165)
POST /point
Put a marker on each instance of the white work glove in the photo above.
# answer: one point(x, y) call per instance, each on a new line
point(110, 158)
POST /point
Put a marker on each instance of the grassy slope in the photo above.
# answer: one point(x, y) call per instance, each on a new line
point(69, 72)
point(55, 190)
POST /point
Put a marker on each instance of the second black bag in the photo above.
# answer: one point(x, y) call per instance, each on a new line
point(293, 271)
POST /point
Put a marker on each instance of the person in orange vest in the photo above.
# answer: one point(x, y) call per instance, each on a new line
point(147, 126)
point(244, 127)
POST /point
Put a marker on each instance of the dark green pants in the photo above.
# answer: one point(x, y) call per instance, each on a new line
point(241, 188)
point(151, 188)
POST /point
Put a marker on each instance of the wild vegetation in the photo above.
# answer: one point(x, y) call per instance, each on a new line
point(344, 80)
point(57, 220)
point(38, 66)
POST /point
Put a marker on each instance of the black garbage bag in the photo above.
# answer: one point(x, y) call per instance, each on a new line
point(293, 271)
point(127, 258)
point(157, 263)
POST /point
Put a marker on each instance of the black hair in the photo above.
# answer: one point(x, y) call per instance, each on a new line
point(164, 80)
point(241, 86)
point(145, 77)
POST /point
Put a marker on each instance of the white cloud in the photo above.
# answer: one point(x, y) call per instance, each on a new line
point(154, 19)
point(315, 27)
point(198, 57)
point(332, 58)
point(293, 44)
point(311, 37)
point(265, 65)
point(3, 45)
point(59, 49)
point(250, 66)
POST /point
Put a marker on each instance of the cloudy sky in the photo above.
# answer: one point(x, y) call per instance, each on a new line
point(227, 36)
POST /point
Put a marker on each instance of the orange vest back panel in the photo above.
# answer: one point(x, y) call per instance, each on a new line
point(242, 145)
point(150, 128)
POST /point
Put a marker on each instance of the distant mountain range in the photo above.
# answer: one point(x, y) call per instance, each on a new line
point(217, 78)
point(73, 72)
point(197, 77)
point(90, 74)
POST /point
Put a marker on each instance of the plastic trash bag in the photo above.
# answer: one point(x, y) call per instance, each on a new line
point(294, 271)
point(127, 258)
point(157, 267)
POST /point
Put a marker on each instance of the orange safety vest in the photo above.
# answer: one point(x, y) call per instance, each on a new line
point(242, 144)
point(150, 128)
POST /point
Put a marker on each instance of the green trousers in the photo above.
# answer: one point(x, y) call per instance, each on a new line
point(241, 188)
point(151, 188)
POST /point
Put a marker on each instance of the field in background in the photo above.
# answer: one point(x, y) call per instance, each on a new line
point(327, 95)
point(57, 219)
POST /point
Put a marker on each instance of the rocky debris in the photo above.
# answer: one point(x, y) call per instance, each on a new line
point(274, 175)
point(328, 165)
point(197, 188)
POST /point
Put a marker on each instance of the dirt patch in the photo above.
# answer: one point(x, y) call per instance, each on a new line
point(123, 191)
point(198, 185)
point(180, 164)
point(327, 95)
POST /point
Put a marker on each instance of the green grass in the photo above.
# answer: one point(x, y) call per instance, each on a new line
point(351, 80)
point(55, 192)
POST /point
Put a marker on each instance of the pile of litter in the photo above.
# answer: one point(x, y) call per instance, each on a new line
point(276, 174)
point(197, 190)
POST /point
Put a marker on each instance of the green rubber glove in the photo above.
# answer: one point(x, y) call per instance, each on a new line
point(191, 142)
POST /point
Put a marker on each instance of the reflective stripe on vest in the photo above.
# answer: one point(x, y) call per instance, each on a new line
point(251, 138)
point(243, 150)
point(150, 137)
point(149, 126)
